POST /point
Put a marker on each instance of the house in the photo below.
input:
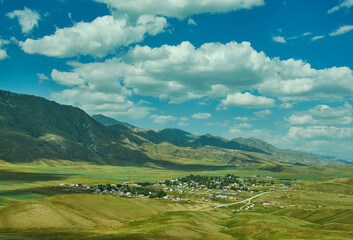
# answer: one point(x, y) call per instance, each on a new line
point(266, 203)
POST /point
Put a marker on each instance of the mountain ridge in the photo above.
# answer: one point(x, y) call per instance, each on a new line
point(34, 128)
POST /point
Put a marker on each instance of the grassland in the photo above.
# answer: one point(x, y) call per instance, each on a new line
point(320, 206)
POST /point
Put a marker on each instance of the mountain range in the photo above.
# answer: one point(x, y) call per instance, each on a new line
point(36, 129)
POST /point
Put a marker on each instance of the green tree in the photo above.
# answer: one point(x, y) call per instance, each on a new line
point(161, 193)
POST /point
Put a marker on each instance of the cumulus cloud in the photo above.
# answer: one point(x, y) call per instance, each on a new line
point(179, 8)
point(242, 119)
point(160, 119)
point(201, 115)
point(279, 39)
point(299, 119)
point(242, 125)
point(323, 115)
point(95, 102)
point(286, 105)
point(27, 18)
point(97, 38)
point(298, 81)
point(320, 132)
point(247, 100)
point(183, 72)
point(342, 30)
point(217, 124)
point(183, 124)
point(66, 78)
point(263, 114)
point(317, 38)
point(42, 76)
point(344, 4)
point(234, 132)
point(192, 22)
point(3, 53)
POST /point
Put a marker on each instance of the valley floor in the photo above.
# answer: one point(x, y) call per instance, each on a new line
point(319, 206)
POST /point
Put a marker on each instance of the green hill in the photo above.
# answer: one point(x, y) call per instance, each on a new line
point(285, 154)
point(33, 128)
point(208, 140)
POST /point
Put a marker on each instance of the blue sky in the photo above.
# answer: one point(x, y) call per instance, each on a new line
point(279, 70)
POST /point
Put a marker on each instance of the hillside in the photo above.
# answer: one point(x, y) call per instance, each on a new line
point(33, 128)
point(104, 120)
point(208, 140)
point(285, 154)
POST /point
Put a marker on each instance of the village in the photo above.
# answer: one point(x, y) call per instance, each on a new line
point(226, 190)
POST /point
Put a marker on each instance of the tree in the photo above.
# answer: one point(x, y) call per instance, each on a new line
point(161, 193)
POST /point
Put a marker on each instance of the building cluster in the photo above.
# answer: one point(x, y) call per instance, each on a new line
point(207, 187)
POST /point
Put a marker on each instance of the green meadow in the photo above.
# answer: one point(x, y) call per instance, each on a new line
point(320, 206)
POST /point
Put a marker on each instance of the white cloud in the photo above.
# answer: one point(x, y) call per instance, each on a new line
point(94, 102)
point(42, 76)
point(179, 8)
point(242, 125)
point(299, 120)
point(201, 115)
point(247, 100)
point(183, 72)
point(307, 34)
point(344, 4)
point(323, 115)
point(98, 38)
point(342, 30)
point(217, 124)
point(66, 78)
point(298, 81)
point(160, 119)
point(3, 53)
point(320, 133)
point(279, 39)
point(27, 18)
point(234, 132)
point(262, 114)
point(192, 22)
point(183, 124)
point(317, 38)
point(242, 119)
point(286, 106)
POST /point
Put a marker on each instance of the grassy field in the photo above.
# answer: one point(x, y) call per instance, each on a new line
point(320, 206)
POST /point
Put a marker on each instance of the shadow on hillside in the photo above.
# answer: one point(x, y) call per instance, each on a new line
point(6, 175)
point(52, 191)
point(167, 165)
point(189, 167)
point(70, 235)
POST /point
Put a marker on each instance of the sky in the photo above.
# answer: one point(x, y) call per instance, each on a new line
point(278, 70)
